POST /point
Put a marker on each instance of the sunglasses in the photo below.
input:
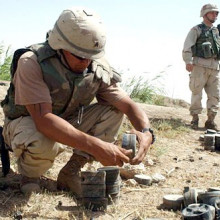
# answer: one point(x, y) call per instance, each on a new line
point(79, 58)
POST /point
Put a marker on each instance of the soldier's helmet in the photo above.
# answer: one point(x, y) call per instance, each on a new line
point(79, 31)
point(208, 8)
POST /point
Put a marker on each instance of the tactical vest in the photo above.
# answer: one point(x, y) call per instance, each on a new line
point(69, 91)
point(210, 35)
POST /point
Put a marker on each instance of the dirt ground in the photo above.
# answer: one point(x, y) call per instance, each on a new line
point(181, 159)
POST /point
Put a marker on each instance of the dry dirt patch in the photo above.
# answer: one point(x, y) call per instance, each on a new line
point(182, 153)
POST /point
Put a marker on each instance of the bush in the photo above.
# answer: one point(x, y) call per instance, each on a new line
point(5, 62)
point(144, 91)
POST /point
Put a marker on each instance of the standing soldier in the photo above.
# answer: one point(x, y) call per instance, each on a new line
point(201, 55)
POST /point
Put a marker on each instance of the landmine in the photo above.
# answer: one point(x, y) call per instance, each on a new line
point(199, 211)
point(211, 140)
point(143, 179)
point(113, 183)
point(195, 203)
point(129, 142)
point(100, 188)
point(93, 190)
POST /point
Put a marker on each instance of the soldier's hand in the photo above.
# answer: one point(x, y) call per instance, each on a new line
point(112, 155)
point(144, 140)
point(189, 67)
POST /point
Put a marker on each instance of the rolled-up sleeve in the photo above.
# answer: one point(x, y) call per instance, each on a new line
point(108, 95)
point(30, 87)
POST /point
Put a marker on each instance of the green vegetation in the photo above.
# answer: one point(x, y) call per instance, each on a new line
point(144, 91)
point(169, 128)
point(5, 62)
point(163, 128)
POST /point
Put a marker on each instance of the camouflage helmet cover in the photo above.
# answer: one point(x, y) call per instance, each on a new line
point(208, 8)
point(79, 31)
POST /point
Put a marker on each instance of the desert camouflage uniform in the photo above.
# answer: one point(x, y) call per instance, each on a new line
point(205, 74)
point(70, 93)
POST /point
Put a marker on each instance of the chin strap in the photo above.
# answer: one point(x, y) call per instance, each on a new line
point(209, 19)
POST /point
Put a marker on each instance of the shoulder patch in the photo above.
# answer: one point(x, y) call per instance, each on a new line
point(116, 76)
point(105, 72)
point(102, 70)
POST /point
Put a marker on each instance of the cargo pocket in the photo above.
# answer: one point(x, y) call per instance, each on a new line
point(195, 85)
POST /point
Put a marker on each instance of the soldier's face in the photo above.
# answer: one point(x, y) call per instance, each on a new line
point(212, 16)
point(76, 64)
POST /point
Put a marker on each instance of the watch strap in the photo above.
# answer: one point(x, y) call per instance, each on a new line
point(152, 133)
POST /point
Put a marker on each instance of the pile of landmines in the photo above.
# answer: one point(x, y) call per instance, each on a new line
point(211, 140)
point(100, 188)
point(195, 203)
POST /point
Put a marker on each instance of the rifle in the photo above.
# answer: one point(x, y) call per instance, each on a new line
point(218, 27)
point(4, 151)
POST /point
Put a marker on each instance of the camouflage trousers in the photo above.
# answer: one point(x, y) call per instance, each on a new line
point(207, 79)
point(36, 153)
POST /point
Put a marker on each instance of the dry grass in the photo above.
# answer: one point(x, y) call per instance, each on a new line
point(177, 149)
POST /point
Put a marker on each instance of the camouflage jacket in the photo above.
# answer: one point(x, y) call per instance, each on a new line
point(69, 91)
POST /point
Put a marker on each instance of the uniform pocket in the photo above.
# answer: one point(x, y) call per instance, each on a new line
point(193, 83)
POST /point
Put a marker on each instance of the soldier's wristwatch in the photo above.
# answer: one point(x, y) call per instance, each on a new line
point(152, 133)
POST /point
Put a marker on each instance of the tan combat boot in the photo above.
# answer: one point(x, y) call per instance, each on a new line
point(29, 185)
point(69, 176)
point(195, 121)
point(210, 124)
